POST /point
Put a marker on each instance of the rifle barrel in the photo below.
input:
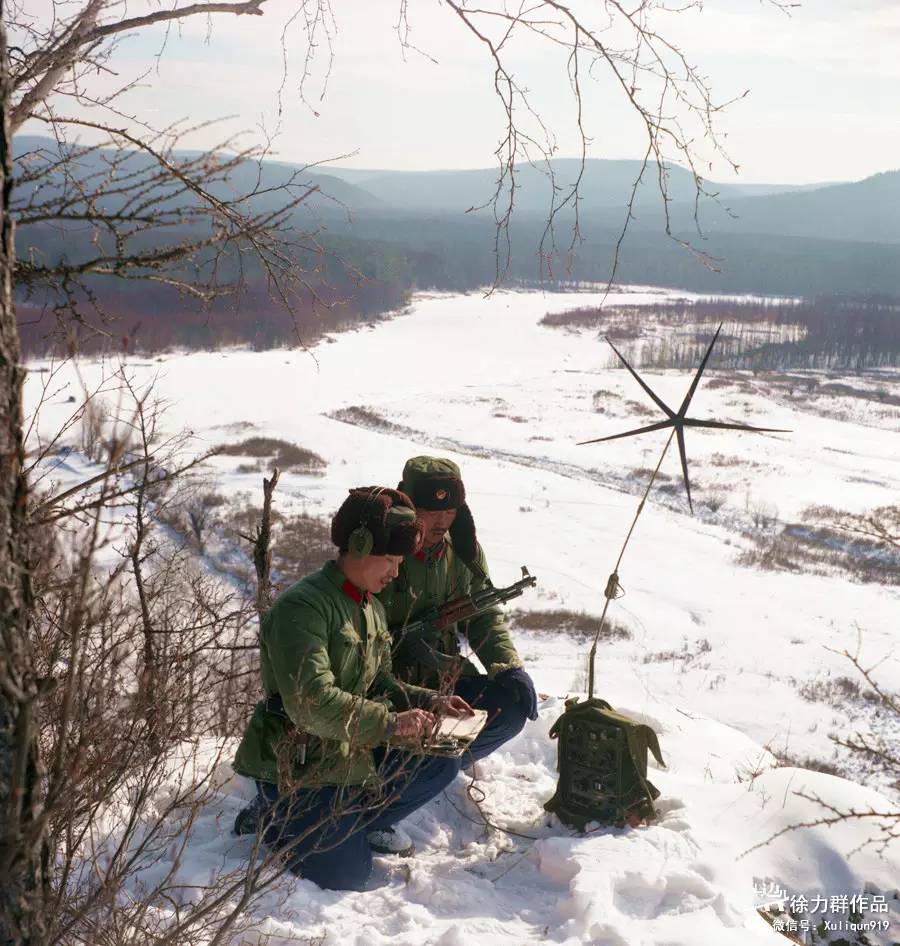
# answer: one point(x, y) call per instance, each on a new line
point(467, 606)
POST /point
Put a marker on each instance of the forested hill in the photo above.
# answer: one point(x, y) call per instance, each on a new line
point(865, 211)
point(861, 211)
point(453, 252)
point(384, 234)
point(30, 151)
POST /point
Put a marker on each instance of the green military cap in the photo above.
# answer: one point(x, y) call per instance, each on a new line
point(433, 483)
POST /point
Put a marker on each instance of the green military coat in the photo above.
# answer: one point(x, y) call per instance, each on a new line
point(326, 650)
point(432, 578)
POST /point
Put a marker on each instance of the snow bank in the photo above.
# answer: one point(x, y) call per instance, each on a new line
point(685, 880)
point(716, 659)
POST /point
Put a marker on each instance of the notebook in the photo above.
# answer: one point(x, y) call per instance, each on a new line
point(454, 735)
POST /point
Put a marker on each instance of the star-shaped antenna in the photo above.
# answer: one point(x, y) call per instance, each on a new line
point(679, 420)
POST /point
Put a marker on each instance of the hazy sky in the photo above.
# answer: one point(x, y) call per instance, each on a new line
point(824, 87)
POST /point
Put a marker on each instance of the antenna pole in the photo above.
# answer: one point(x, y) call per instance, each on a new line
point(677, 421)
point(612, 584)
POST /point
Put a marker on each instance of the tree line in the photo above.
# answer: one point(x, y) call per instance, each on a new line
point(834, 332)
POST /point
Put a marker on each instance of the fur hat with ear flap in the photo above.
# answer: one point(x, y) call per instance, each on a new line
point(435, 483)
point(375, 520)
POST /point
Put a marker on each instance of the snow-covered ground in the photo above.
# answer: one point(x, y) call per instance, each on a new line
point(718, 655)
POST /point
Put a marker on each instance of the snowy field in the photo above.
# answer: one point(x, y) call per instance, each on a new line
point(719, 655)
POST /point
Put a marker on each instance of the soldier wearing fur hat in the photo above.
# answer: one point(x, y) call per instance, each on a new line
point(322, 745)
point(452, 563)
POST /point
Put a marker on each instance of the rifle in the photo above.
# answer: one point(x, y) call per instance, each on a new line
point(418, 638)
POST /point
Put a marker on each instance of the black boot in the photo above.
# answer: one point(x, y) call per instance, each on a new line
point(391, 841)
point(247, 821)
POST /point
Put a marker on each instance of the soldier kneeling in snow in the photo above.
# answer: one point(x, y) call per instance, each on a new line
point(451, 564)
point(322, 747)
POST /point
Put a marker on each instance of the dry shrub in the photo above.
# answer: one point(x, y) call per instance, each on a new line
point(94, 422)
point(713, 384)
point(780, 553)
point(576, 318)
point(150, 676)
point(676, 488)
point(864, 556)
point(881, 526)
point(639, 409)
point(763, 514)
point(837, 389)
point(366, 417)
point(715, 500)
point(221, 529)
point(786, 760)
point(730, 461)
point(281, 453)
point(644, 473)
point(576, 623)
point(601, 397)
point(300, 543)
point(623, 333)
point(836, 691)
point(688, 653)
point(194, 514)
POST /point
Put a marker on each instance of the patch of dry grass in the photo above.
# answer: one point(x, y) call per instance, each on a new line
point(575, 623)
point(822, 545)
point(721, 459)
point(639, 409)
point(688, 652)
point(280, 453)
point(366, 417)
point(602, 398)
point(786, 760)
point(644, 473)
point(836, 691)
point(582, 318)
point(879, 395)
point(713, 384)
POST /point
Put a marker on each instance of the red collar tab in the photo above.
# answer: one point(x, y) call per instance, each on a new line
point(424, 554)
point(351, 591)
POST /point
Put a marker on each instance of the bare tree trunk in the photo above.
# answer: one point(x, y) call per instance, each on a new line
point(149, 689)
point(262, 552)
point(149, 676)
point(22, 837)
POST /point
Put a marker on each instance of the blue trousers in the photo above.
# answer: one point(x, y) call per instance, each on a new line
point(323, 830)
point(505, 719)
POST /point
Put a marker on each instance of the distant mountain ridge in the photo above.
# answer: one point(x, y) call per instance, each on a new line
point(410, 229)
point(603, 183)
point(866, 210)
point(333, 192)
point(861, 211)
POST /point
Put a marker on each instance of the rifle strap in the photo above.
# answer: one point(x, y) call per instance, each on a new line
point(274, 705)
point(476, 569)
point(401, 582)
point(473, 565)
